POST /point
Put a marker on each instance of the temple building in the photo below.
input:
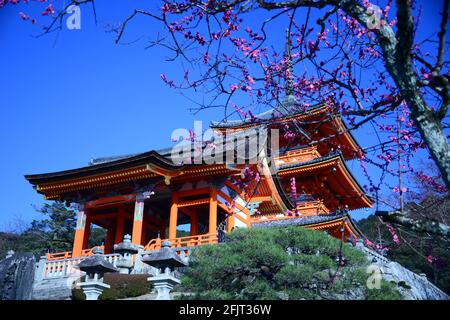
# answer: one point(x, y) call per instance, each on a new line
point(150, 195)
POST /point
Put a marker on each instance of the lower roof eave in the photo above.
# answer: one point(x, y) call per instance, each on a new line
point(300, 221)
point(310, 222)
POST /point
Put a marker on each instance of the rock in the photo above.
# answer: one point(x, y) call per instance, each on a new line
point(17, 276)
point(283, 295)
point(410, 285)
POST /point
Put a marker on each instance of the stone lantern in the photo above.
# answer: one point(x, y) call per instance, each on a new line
point(165, 260)
point(126, 249)
point(95, 267)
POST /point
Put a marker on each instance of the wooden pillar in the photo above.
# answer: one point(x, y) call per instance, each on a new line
point(194, 222)
point(230, 223)
point(138, 220)
point(109, 240)
point(120, 225)
point(79, 232)
point(87, 231)
point(173, 217)
point(213, 211)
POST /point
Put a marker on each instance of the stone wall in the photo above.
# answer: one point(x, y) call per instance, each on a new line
point(17, 277)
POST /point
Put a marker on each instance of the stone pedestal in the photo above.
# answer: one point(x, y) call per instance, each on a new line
point(163, 284)
point(95, 267)
point(165, 259)
point(93, 289)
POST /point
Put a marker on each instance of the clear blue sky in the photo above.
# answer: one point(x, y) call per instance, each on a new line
point(66, 99)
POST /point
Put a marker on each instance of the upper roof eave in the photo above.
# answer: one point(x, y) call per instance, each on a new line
point(121, 163)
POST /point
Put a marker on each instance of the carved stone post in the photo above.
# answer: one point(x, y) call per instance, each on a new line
point(95, 267)
point(165, 260)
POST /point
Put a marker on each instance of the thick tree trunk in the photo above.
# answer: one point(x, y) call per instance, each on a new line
point(397, 59)
point(432, 133)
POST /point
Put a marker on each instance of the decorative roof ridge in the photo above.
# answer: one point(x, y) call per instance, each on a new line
point(166, 152)
point(101, 160)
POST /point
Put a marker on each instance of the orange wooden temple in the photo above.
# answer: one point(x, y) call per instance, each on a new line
point(148, 195)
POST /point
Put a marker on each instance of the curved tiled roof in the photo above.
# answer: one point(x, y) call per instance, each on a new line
point(334, 155)
point(300, 221)
point(293, 165)
point(308, 221)
point(106, 166)
point(269, 115)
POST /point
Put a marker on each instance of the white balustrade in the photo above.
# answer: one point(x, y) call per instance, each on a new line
point(67, 267)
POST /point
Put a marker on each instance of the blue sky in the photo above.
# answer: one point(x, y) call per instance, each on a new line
point(66, 99)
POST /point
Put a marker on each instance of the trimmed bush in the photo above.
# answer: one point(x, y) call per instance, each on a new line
point(122, 286)
point(280, 263)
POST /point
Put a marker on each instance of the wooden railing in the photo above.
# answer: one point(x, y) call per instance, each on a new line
point(300, 155)
point(62, 264)
point(58, 255)
point(192, 241)
point(68, 254)
point(312, 207)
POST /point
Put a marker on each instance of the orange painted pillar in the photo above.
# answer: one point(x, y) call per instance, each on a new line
point(213, 211)
point(138, 220)
point(230, 223)
point(194, 222)
point(120, 225)
point(173, 217)
point(79, 232)
point(87, 230)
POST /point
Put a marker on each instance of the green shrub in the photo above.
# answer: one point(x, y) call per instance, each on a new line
point(279, 263)
point(386, 292)
point(122, 286)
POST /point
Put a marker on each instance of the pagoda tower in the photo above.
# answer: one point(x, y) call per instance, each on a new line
point(294, 179)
